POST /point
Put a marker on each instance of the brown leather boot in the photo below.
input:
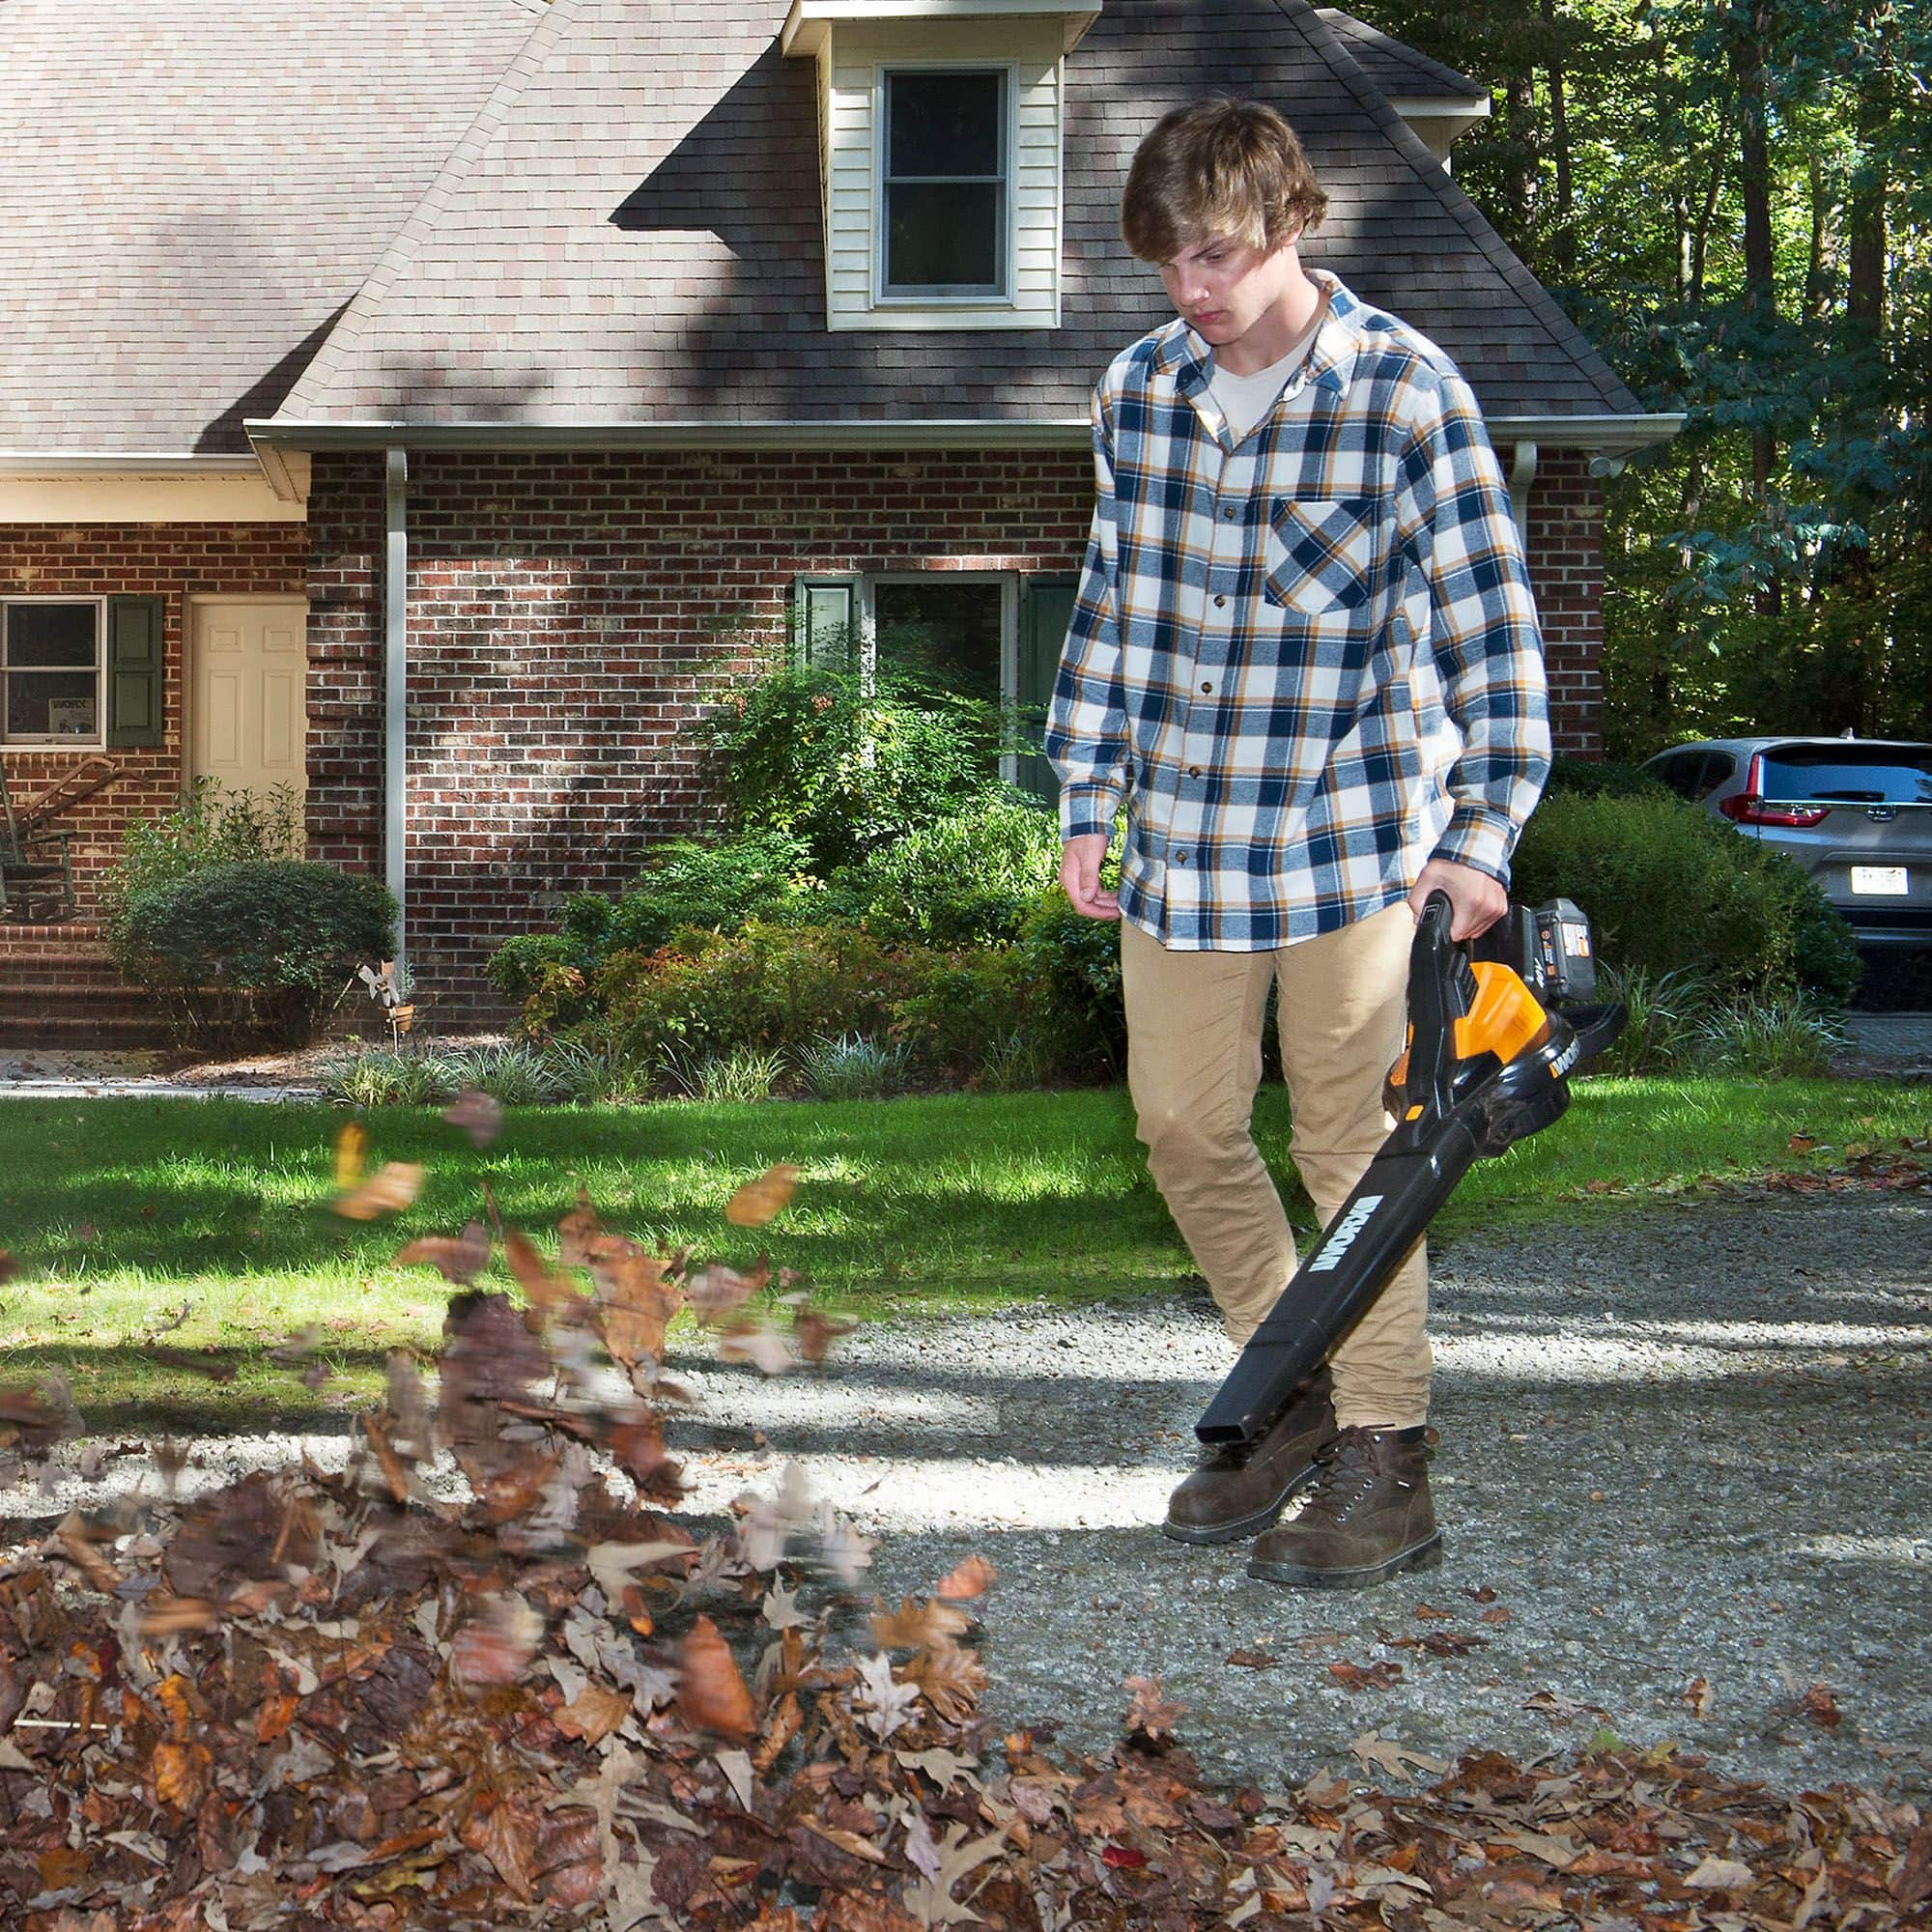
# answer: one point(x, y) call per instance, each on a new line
point(1241, 1488)
point(1367, 1516)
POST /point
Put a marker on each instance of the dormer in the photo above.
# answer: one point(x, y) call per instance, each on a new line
point(940, 156)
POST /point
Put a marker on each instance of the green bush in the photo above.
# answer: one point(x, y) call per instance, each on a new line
point(257, 947)
point(847, 762)
point(1601, 777)
point(1074, 965)
point(380, 1076)
point(968, 879)
point(213, 825)
point(854, 1068)
point(764, 988)
point(1667, 888)
point(684, 884)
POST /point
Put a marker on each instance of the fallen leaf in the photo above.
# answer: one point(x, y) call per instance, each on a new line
point(1251, 1659)
point(217, 1368)
point(351, 1142)
point(1498, 1614)
point(458, 1258)
point(758, 1201)
point(546, 1290)
point(1822, 1708)
point(917, 1623)
point(712, 1693)
point(972, 1577)
point(1716, 1874)
point(1697, 1696)
point(1371, 1677)
point(886, 1705)
point(387, 1191)
point(479, 1115)
point(1391, 1757)
point(494, 1646)
point(1149, 1715)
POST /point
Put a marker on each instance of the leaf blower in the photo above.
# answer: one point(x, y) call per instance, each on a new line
point(1492, 1040)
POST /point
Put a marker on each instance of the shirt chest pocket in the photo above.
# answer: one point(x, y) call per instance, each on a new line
point(1321, 555)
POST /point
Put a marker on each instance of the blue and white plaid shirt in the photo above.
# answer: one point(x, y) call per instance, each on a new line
point(1308, 662)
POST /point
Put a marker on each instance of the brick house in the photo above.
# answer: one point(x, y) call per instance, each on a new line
point(435, 434)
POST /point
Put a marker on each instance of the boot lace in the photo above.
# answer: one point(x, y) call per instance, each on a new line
point(1345, 1476)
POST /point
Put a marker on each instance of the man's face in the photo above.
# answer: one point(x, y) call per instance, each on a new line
point(1222, 288)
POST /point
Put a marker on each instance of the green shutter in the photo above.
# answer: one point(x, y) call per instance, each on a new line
point(136, 656)
point(1046, 607)
point(827, 624)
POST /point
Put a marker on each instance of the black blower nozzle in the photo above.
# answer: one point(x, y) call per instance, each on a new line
point(1487, 1063)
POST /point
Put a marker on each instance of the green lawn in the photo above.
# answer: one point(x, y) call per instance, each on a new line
point(119, 1213)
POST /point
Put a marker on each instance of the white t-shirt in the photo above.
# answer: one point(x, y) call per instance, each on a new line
point(1245, 400)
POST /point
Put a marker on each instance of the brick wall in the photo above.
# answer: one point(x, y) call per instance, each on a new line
point(1566, 568)
point(172, 561)
point(568, 613)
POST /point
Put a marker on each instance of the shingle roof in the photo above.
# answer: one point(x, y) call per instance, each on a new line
point(633, 235)
point(1402, 71)
point(194, 190)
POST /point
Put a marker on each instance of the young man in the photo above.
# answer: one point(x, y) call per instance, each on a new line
point(1305, 661)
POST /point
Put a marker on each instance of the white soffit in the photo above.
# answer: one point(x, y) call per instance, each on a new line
point(810, 21)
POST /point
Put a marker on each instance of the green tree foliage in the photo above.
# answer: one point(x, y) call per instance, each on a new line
point(1731, 197)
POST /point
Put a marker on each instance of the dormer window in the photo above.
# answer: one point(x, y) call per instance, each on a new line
point(946, 184)
point(940, 127)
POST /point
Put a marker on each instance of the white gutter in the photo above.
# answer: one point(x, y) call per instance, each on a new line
point(396, 690)
point(1614, 437)
point(123, 462)
point(1522, 474)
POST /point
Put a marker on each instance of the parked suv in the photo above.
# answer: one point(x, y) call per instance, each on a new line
point(1854, 813)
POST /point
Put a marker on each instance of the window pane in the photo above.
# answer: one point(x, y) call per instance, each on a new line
point(949, 631)
point(943, 237)
point(944, 123)
point(51, 634)
point(52, 703)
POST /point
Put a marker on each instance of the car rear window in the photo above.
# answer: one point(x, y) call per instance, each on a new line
point(1881, 775)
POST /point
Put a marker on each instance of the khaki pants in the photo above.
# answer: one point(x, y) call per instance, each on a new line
point(1194, 1061)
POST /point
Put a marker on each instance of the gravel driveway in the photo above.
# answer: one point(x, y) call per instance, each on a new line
point(1685, 1480)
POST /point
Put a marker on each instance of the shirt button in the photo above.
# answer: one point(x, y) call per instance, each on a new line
point(1206, 687)
point(1194, 771)
point(1181, 858)
point(1220, 603)
point(1231, 512)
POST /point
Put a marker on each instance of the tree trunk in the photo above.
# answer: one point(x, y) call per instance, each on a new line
point(1563, 241)
point(1750, 35)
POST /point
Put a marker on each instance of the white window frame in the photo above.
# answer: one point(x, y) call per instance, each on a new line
point(946, 295)
point(49, 741)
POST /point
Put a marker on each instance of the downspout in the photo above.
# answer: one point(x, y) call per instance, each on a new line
point(1522, 474)
point(396, 690)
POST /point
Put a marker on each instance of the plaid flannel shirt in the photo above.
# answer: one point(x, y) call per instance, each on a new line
point(1305, 664)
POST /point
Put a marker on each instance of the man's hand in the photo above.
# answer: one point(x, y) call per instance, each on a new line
point(1080, 876)
point(1476, 900)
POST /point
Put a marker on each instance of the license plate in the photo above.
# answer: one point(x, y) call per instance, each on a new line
point(1885, 881)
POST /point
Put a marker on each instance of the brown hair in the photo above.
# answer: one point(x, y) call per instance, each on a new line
point(1218, 168)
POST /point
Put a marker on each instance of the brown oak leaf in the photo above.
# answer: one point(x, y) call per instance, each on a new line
point(712, 1693)
point(758, 1201)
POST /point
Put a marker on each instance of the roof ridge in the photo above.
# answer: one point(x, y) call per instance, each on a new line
point(1564, 334)
point(1407, 50)
point(489, 119)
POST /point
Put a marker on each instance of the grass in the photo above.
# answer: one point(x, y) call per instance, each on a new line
point(122, 1213)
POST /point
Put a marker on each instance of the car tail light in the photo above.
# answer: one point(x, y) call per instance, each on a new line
point(1749, 806)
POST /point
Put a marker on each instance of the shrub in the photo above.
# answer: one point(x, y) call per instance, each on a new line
point(261, 946)
point(766, 988)
point(515, 1073)
point(846, 762)
point(1601, 777)
point(968, 879)
point(1667, 888)
point(213, 826)
point(1073, 964)
point(1662, 1013)
point(684, 884)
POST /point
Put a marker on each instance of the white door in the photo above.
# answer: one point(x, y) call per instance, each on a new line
point(248, 710)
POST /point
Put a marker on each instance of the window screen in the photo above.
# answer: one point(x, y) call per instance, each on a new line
point(945, 183)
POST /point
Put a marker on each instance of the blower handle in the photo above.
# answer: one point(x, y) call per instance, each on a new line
point(1441, 988)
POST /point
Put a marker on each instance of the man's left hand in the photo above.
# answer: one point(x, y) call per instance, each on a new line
point(1476, 900)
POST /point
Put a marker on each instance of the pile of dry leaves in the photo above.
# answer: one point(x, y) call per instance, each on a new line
point(314, 1701)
